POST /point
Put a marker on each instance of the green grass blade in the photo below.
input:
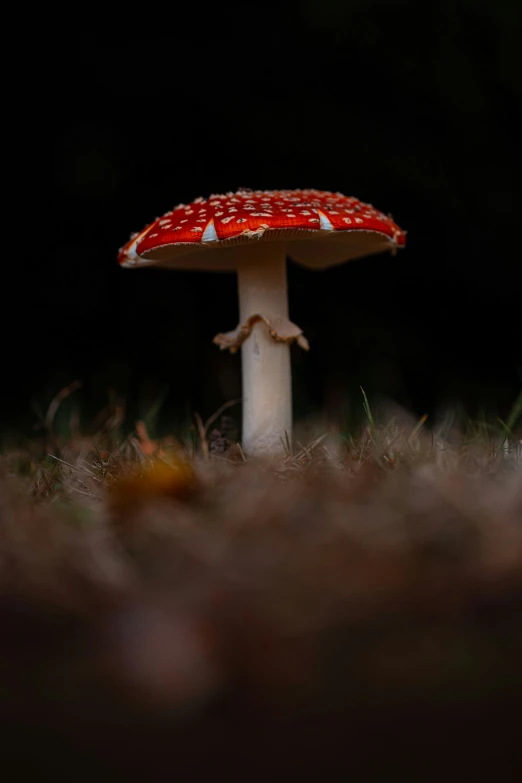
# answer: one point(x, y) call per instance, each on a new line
point(515, 413)
point(367, 410)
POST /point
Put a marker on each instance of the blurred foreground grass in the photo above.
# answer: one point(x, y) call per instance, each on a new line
point(351, 607)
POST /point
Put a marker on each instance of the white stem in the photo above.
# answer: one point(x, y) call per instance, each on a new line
point(267, 380)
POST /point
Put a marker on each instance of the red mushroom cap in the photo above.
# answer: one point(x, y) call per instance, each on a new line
point(320, 228)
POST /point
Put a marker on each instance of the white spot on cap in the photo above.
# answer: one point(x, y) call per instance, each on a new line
point(325, 222)
point(209, 234)
point(195, 230)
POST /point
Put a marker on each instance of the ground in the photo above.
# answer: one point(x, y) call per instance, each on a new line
point(351, 606)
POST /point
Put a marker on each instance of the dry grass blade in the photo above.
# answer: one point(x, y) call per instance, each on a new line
point(203, 427)
point(57, 401)
point(202, 436)
point(84, 468)
point(418, 427)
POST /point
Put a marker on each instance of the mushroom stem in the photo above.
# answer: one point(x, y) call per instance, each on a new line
point(267, 380)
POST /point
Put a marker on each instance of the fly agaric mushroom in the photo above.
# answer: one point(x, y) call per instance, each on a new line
point(251, 232)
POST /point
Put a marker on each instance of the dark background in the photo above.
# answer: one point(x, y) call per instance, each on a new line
point(412, 107)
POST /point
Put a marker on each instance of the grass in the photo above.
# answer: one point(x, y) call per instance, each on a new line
point(177, 604)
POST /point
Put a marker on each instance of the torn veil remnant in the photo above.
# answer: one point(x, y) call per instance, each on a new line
point(280, 329)
point(252, 232)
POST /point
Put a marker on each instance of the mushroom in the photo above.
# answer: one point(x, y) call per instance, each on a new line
point(252, 232)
